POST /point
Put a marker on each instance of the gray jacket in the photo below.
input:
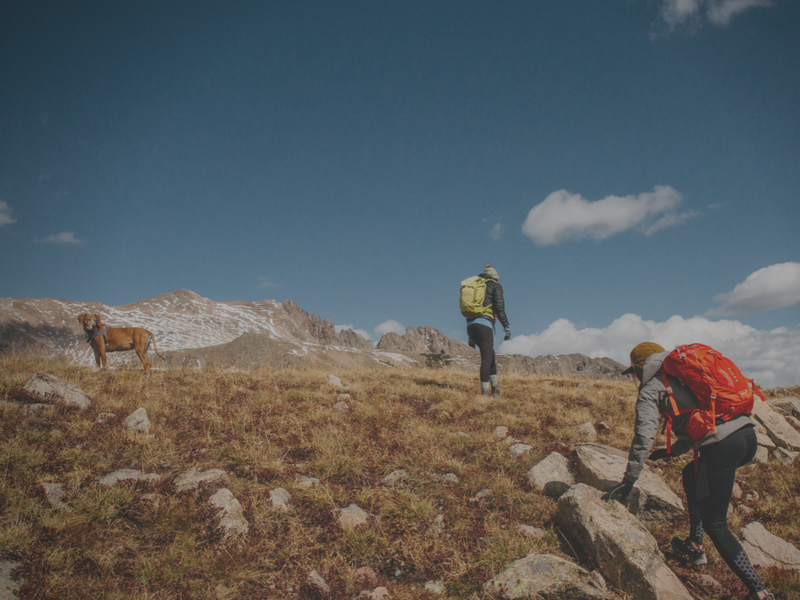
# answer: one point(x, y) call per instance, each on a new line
point(652, 400)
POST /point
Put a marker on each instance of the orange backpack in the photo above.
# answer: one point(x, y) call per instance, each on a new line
point(721, 389)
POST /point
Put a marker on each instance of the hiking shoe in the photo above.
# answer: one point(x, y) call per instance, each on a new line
point(695, 557)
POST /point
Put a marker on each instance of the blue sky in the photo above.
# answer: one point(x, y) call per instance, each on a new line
point(631, 168)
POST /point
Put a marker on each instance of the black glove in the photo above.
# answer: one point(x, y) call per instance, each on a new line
point(507, 331)
point(472, 344)
point(619, 492)
point(659, 454)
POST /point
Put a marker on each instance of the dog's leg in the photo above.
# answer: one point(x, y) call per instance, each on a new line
point(142, 354)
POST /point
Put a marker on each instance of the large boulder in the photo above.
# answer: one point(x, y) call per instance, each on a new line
point(551, 475)
point(617, 542)
point(52, 390)
point(651, 500)
point(788, 406)
point(547, 577)
point(768, 550)
point(779, 430)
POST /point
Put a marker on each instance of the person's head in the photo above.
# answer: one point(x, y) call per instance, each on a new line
point(639, 354)
point(490, 273)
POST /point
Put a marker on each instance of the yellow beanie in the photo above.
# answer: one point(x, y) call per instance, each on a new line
point(640, 354)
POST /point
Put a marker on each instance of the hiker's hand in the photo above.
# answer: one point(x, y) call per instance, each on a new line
point(507, 331)
point(659, 454)
point(619, 493)
point(472, 344)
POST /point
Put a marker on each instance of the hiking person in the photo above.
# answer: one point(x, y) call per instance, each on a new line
point(708, 480)
point(482, 304)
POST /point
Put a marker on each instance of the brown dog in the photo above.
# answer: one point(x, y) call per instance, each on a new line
point(103, 338)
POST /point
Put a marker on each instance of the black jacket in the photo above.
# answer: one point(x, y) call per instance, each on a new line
point(494, 296)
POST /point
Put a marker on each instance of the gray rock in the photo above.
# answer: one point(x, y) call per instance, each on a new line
point(551, 475)
point(280, 499)
point(316, 581)
point(500, 431)
point(138, 421)
point(783, 434)
point(335, 381)
point(8, 586)
point(193, 477)
point(651, 500)
point(787, 406)
point(480, 495)
point(547, 577)
point(127, 475)
point(586, 432)
point(394, 478)
point(342, 407)
point(792, 421)
point(762, 435)
point(231, 516)
point(350, 517)
point(768, 550)
point(534, 533)
point(520, 449)
point(55, 492)
point(105, 417)
point(762, 454)
point(450, 478)
point(624, 550)
point(306, 482)
point(379, 593)
point(52, 390)
point(435, 587)
point(784, 456)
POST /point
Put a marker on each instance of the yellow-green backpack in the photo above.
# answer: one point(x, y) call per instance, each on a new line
point(473, 294)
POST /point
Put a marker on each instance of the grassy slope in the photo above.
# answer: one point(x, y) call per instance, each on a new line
point(266, 427)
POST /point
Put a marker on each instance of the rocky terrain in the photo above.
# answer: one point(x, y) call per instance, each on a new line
point(194, 331)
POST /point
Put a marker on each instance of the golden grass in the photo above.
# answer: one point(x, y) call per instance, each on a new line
point(268, 427)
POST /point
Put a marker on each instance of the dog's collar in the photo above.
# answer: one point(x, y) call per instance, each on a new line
point(103, 333)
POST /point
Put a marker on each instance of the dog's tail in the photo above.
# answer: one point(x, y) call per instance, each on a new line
point(152, 337)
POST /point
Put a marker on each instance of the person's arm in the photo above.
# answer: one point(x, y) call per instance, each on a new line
point(499, 308)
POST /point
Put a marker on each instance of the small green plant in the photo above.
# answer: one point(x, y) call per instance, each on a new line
point(436, 361)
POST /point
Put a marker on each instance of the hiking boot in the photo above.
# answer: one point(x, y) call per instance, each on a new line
point(695, 557)
point(496, 390)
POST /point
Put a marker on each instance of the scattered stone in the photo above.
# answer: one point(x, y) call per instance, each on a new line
point(768, 550)
point(707, 582)
point(335, 381)
point(192, 478)
point(586, 432)
point(752, 496)
point(784, 456)
point(625, 551)
point(379, 593)
point(602, 426)
point(520, 449)
point(435, 587)
point(316, 581)
point(651, 500)
point(737, 491)
point(480, 495)
point(231, 516)
point(510, 441)
point(745, 510)
point(138, 421)
point(438, 523)
point(549, 578)
point(104, 418)
point(551, 475)
point(762, 454)
point(280, 499)
point(52, 390)
point(534, 533)
point(783, 434)
point(450, 478)
point(126, 475)
point(55, 492)
point(344, 397)
point(350, 517)
point(367, 575)
point(306, 482)
point(500, 431)
point(394, 478)
point(8, 586)
point(342, 407)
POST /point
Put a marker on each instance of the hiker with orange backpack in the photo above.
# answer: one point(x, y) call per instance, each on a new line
point(482, 304)
point(706, 402)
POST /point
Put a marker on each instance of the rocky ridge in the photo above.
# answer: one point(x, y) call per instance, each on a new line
point(194, 331)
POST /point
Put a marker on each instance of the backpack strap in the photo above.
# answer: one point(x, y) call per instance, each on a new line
point(667, 414)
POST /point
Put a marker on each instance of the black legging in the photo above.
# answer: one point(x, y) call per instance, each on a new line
point(483, 336)
point(708, 494)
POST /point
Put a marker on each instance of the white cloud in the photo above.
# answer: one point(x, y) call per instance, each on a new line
point(772, 358)
point(497, 232)
point(5, 214)
point(769, 288)
point(66, 237)
point(566, 216)
point(390, 325)
point(677, 13)
point(361, 332)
